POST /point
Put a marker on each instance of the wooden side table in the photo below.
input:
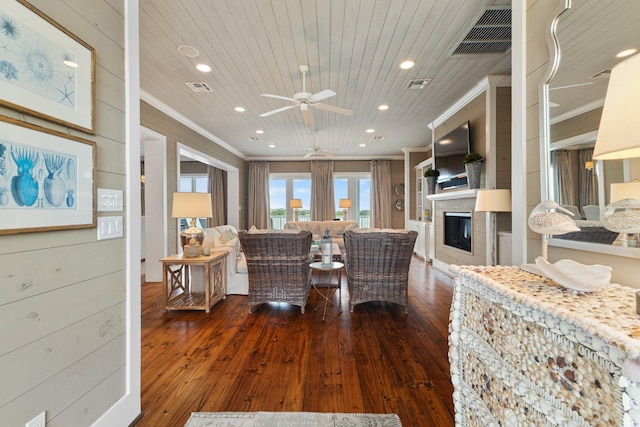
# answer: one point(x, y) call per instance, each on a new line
point(178, 294)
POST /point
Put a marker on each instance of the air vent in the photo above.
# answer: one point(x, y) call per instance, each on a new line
point(489, 34)
point(417, 83)
point(199, 87)
point(254, 138)
point(378, 138)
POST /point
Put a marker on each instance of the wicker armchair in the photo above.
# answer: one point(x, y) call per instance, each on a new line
point(377, 264)
point(278, 267)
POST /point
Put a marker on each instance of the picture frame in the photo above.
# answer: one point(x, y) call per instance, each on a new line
point(47, 179)
point(45, 70)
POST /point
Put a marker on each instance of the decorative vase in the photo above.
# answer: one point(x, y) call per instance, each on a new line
point(474, 170)
point(431, 184)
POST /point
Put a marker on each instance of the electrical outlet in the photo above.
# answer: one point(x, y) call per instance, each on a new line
point(38, 421)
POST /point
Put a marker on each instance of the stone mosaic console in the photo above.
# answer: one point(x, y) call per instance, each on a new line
point(524, 351)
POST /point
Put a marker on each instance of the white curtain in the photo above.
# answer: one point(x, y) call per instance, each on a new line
point(258, 193)
point(323, 205)
point(380, 193)
point(218, 189)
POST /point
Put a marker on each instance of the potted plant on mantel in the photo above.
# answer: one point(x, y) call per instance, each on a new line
point(473, 165)
point(430, 177)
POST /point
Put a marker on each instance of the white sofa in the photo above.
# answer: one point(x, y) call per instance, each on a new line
point(317, 228)
point(236, 264)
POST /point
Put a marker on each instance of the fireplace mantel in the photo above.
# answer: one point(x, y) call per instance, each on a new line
point(451, 195)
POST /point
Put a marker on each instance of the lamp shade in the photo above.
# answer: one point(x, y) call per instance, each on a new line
point(617, 135)
point(295, 203)
point(493, 200)
point(624, 190)
point(345, 203)
point(191, 205)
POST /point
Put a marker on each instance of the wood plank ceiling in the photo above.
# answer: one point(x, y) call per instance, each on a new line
point(353, 47)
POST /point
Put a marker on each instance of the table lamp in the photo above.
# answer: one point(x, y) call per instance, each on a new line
point(192, 205)
point(492, 201)
point(616, 137)
point(345, 204)
point(295, 204)
point(622, 215)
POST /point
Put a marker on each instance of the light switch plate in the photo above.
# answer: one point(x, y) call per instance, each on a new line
point(109, 200)
point(109, 227)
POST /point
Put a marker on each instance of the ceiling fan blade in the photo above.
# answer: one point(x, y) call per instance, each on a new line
point(307, 116)
point(571, 86)
point(325, 154)
point(324, 94)
point(333, 108)
point(277, 110)
point(286, 98)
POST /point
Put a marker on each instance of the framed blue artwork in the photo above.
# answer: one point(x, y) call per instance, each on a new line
point(45, 70)
point(47, 179)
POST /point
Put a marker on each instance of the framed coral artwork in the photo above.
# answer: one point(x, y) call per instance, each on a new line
point(45, 70)
point(47, 179)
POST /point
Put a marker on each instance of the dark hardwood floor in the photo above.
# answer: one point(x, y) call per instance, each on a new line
point(376, 359)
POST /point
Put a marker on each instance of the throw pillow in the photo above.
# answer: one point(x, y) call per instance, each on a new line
point(228, 235)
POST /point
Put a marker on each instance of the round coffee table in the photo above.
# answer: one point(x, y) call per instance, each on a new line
point(331, 288)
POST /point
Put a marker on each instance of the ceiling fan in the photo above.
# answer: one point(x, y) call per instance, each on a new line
point(304, 100)
point(316, 150)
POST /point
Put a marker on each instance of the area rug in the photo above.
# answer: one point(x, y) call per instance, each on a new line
point(290, 419)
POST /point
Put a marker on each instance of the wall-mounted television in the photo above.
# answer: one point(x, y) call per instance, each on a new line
point(448, 156)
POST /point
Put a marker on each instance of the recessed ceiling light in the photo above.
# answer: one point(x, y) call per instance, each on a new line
point(383, 107)
point(239, 109)
point(626, 53)
point(203, 67)
point(363, 145)
point(272, 145)
point(188, 51)
point(370, 130)
point(260, 131)
point(407, 64)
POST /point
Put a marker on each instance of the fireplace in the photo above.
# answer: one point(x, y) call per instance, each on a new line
point(457, 230)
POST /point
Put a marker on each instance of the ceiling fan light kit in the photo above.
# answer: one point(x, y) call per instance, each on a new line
point(305, 99)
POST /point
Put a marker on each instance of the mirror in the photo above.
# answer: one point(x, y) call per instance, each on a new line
point(588, 36)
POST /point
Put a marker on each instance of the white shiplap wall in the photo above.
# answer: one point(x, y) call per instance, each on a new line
point(63, 293)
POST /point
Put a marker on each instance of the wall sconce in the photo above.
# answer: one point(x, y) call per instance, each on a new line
point(616, 137)
point(345, 204)
point(493, 201)
point(192, 205)
point(295, 204)
point(588, 165)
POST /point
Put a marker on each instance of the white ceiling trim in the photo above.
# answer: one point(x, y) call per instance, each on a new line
point(479, 88)
point(156, 103)
point(577, 111)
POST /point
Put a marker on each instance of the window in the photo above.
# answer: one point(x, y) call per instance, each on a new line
point(197, 183)
point(357, 188)
point(284, 187)
point(192, 183)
